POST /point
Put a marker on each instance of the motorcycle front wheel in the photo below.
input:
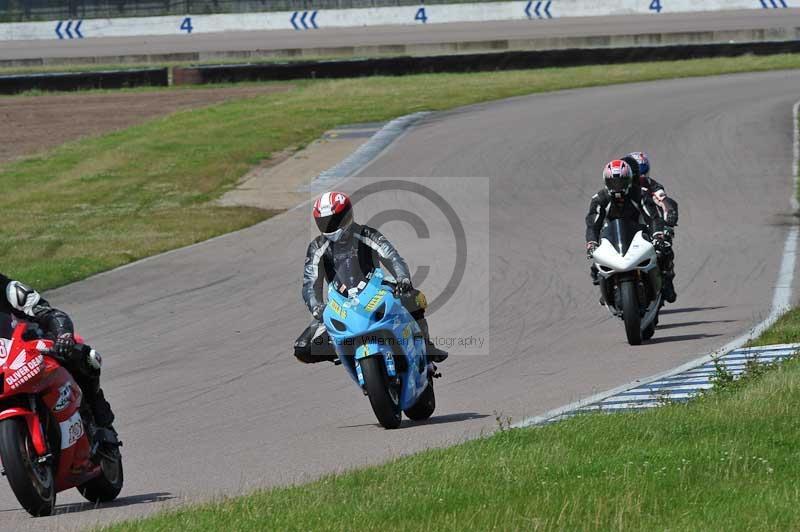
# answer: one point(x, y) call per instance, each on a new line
point(383, 396)
point(31, 480)
point(630, 312)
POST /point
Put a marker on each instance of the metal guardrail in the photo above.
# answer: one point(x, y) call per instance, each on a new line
point(398, 66)
point(393, 66)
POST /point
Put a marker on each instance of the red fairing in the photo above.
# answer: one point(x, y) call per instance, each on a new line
point(28, 372)
point(34, 427)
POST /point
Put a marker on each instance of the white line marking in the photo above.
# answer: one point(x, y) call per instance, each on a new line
point(781, 301)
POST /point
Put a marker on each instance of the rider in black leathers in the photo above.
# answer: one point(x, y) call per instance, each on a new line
point(350, 249)
point(620, 200)
point(83, 363)
point(667, 210)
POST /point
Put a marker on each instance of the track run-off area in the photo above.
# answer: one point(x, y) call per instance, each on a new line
point(197, 342)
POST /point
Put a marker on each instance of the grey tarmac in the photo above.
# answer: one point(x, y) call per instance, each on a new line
point(197, 342)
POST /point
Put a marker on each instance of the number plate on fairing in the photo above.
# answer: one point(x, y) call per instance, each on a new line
point(71, 430)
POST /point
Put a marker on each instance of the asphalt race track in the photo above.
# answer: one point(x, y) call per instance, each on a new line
point(387, 35)
point(197, 342)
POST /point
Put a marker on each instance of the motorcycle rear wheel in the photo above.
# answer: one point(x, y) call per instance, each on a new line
point(630, 312)
point(384, 400)
point(425, 405)
point(32, 482)
point(106, 487)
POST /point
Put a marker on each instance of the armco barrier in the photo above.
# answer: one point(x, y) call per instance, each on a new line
point(72, 81)
point(398, 66)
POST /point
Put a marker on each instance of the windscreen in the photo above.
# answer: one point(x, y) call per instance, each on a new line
point(620, 233)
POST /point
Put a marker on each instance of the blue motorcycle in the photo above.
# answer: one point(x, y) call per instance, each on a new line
point(382, 348)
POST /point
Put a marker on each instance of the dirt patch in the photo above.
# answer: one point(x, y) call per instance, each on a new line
point(280, 183)
point(33, 124)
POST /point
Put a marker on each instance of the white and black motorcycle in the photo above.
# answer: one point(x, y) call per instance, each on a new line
point(630, 279)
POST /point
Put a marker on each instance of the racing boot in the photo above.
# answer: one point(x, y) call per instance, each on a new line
point(595, 275)
point(434, 353)
point(313, 346)
point(668, 290)
point(105, 441)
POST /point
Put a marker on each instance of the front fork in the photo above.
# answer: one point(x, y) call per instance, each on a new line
point(609, 288)
point(33, 422)
point(391, 369)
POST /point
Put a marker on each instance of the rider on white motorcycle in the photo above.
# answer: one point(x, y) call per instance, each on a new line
point(667, 205)
point(668, 210)
point(620, 199)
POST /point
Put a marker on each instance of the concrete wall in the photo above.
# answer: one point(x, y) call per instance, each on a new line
point(308, 20)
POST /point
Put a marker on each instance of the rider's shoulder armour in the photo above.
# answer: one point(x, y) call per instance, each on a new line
point(22, 297)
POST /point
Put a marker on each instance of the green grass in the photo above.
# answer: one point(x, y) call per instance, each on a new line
point(785, 331)
point(728, 461)
point(102, 202)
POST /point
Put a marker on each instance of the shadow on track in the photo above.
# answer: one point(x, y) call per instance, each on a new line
point(681, 338)
point(441, 420)
point(692, 323)
point(687, 309)
point(436, 420)
point(145, 498)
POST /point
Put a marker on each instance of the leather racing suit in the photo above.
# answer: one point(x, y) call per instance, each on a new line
point(638, 208)
point(359, 252)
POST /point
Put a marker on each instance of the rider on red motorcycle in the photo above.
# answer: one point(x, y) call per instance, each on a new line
point(81, 361)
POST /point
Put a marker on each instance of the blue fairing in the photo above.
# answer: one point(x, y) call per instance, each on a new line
point(373, 323)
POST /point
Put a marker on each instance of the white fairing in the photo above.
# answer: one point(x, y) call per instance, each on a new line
point(641, 255)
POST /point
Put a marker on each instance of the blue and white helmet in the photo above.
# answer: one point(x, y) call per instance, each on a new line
point(644, 162)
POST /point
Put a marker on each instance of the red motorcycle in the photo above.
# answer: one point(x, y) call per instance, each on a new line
point(48, 442)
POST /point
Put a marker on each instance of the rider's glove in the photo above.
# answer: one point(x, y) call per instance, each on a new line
point(403, 287)
point(660, 243)
point(671, 217)
point(64, 345)
point(317, 311)
point(94, 360)
point(590, 249)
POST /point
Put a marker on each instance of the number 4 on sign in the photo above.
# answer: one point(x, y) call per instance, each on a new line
point(186, 25)
point(421, 16)
point(655, 5)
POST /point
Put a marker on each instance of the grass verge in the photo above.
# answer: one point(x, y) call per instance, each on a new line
point(727, 461)
point(785, 331)
point(101, 202)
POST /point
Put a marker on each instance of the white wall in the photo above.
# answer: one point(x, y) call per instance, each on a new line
point(128, 27)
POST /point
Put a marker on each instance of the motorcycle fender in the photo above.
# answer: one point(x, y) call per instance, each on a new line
point(34, 427)
point(373, 349)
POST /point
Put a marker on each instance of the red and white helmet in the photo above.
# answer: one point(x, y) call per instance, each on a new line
point(618, 177)
point(333, 214)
